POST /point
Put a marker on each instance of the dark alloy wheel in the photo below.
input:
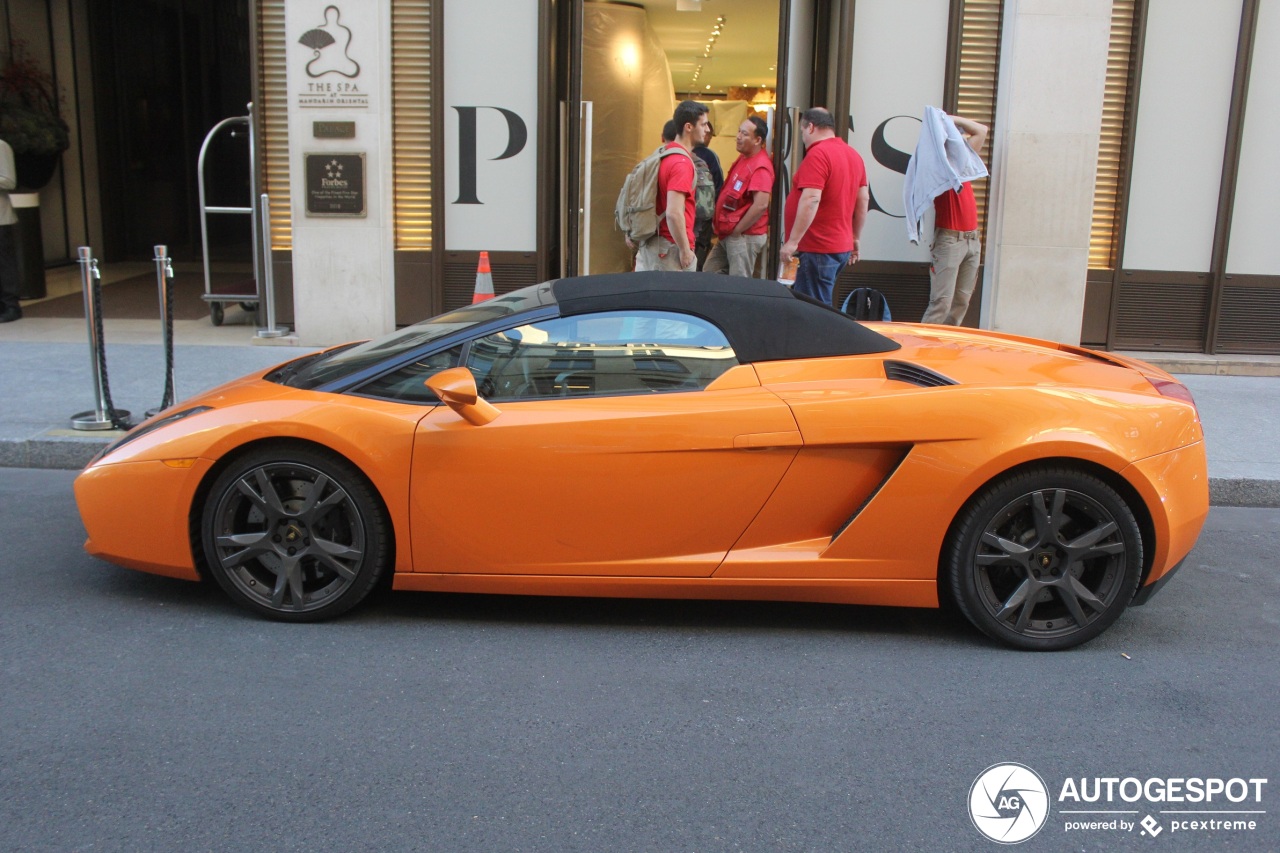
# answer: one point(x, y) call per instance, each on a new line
point(294, 534)
point(1045, 559)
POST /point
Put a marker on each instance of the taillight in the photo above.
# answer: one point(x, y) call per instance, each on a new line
point(1176, 390)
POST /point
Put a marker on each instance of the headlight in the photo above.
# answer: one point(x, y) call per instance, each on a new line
point(138, 432)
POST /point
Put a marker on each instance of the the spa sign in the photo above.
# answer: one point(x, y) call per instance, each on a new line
point(328, 52)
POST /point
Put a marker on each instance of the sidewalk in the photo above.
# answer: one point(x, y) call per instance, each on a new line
point(47, 377)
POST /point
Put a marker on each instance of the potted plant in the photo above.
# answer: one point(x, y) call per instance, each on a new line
point(29, 120)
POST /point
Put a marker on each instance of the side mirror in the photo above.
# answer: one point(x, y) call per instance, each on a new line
point(456, 388)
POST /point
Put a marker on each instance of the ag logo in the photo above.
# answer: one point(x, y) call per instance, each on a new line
point(1008, 803)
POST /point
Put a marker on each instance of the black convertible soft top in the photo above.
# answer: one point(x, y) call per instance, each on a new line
point(763, 320)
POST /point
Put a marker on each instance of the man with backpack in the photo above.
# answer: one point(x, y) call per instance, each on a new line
point(661, 221)
point(636, 214)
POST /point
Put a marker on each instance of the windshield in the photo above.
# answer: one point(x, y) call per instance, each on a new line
point(350, 360)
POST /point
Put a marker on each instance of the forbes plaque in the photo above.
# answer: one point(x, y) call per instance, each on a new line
point(335, 184)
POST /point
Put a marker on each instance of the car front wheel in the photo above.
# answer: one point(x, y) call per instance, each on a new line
point(1045, 559)
point(294, 534)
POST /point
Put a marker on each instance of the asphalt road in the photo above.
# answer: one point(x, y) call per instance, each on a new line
point(140, 713)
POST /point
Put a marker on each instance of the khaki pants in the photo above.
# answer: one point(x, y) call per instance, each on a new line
point(739, 255)
point(952, 275)
point(659, 253)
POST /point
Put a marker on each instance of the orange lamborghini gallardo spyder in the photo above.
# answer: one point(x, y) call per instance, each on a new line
point(673, 436)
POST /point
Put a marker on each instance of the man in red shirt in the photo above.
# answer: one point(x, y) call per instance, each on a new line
point(672, 247)
point(826, 207)
point(956, 249)
point(742, 210)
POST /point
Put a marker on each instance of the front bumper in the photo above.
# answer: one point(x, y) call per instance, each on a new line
point(137, 514)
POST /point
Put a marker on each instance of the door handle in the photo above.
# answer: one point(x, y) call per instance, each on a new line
point(760, 440)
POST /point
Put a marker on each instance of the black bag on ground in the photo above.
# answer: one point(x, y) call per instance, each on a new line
point(866, 303)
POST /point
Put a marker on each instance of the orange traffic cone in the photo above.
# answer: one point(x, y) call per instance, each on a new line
point(484, 280)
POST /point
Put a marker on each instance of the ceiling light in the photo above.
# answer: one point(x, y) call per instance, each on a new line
point(710, 46)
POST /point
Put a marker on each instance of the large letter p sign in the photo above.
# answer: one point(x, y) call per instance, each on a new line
point(517, 136)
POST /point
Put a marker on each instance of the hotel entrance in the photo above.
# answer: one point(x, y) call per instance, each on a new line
point(176, 68)
point(627, 66)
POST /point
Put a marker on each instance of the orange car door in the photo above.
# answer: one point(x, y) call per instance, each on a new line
point(657, 484)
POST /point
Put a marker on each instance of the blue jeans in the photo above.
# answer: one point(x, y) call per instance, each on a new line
point(816, 277)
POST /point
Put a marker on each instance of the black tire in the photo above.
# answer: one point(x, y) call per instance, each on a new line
point(295, 534)
point(216, 313)
point(1044, 559)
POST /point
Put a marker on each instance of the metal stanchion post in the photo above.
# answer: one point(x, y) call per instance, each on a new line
point(268, 277)
point(164, 277)
point(99, 418)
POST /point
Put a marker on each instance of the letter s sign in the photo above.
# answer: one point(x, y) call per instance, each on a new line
point(889, 157)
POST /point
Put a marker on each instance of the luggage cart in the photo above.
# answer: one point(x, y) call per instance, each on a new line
point(234, 291)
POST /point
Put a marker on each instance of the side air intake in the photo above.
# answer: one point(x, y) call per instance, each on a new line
point(914, 374)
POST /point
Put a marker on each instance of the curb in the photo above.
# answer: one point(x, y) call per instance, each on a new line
point(1210, 365)
point(51, 449)
point(1243, 491)
point(44, 450)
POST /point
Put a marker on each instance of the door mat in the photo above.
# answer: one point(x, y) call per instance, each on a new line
point(137, 298)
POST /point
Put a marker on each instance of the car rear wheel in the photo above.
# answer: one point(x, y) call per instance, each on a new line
point(1045, 559)
point(294, 534)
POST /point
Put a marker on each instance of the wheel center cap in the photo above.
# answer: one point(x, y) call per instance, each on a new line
point(293, 533)
point(1048, 562)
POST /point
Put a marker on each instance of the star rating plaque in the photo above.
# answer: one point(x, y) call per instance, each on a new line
point(335, 184)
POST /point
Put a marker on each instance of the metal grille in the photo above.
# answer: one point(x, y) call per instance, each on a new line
point(1162, 316)
point(1249, 320)
point(460, 279)
point(976, 80)
point(411, 122)
point(1111, 145)
point(273, 120)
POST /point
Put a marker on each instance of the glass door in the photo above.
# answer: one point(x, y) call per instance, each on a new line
point(627, 67)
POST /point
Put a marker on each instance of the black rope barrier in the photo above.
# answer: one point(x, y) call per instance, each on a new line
point(166, 399)
point(117, 421)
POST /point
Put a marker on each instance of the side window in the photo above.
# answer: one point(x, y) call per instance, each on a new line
point(597, 355)
point(409, 382)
